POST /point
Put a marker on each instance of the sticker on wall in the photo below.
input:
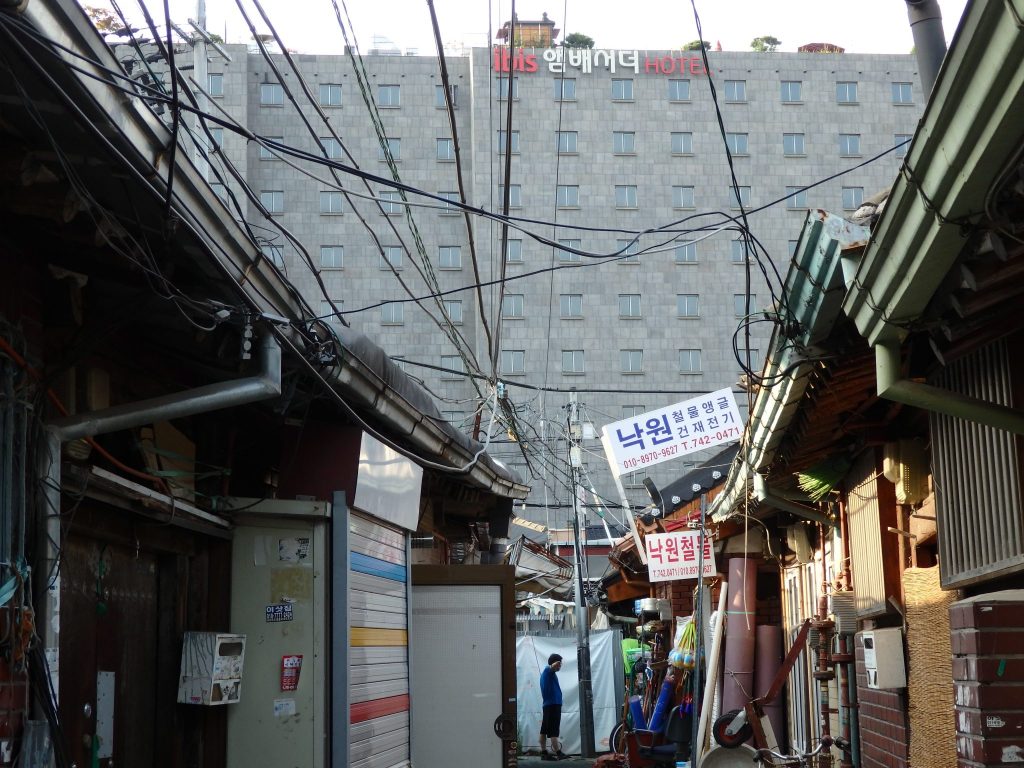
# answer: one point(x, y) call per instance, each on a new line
point(291, 666)
point(284, 707)
point(279, 612)
point(293, 550)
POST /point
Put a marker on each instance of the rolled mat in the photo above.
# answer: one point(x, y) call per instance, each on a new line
point(738, 674)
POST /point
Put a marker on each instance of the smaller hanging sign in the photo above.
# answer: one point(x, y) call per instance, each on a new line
point(677, 555)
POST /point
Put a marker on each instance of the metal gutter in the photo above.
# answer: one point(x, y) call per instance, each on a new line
point(814, 287)
point(142, 139)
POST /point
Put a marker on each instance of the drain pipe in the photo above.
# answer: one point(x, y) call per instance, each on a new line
point(891, 386)
point(929, 39)
point(764, 494)
point(263, 386)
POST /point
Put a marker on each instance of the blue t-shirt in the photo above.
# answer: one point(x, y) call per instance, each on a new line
point(550, 690)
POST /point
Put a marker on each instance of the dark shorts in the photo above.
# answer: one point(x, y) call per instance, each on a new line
point(549, 724)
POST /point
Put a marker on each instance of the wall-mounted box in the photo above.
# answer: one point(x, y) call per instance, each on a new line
point(883, 658)
point(211, 668)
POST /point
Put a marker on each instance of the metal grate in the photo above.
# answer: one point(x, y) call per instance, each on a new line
point(976, 472)
point(866, 537)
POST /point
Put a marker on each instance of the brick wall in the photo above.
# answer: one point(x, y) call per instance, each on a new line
point(884, 735)
point(988, 671)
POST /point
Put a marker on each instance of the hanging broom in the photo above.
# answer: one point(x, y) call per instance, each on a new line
point(818, 481)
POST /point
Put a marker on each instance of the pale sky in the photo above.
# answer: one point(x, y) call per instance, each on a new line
point(310, 26)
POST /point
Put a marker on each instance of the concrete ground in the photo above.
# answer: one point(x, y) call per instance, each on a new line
point(574, 761)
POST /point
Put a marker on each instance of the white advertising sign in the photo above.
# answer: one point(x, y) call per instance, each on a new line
point(677, 555)
point(656, 436)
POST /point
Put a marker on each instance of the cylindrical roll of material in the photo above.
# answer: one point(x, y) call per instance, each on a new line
point(636, 709)
point(769, 659)
point(664, 704)
point(738, 676)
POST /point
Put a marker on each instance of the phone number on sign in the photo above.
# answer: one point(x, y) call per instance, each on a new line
point(717, 437)
point(647, 458)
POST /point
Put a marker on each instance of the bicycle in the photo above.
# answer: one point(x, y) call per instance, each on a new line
point(769, 757)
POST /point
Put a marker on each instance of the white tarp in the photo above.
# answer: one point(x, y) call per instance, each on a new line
point(532, 656)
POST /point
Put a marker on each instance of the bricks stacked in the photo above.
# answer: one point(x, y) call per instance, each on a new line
point(988, 672)
point(884, 738)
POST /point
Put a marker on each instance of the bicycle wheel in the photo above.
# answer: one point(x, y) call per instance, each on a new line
point(730, 740)
point(617, 739)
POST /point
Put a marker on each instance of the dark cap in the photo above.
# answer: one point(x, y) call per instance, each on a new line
point(553, 658)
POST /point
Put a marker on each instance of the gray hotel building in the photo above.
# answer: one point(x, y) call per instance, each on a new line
point(603, 144)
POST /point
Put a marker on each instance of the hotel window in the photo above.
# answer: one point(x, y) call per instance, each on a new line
point(623, 142)
point(331, 147)
point(394, 148)
point(739, 304)
point(271, 95)
point(689, 361)
point(567, 196)
point(682, 143)
point(902, 93)
point(327, 312)
point(678, 90)
point(503, 141)
point(513, 362)
point(330, 94)
point(453, 367)
point(449, 257)
point(452, 417)
point(446, 150)
point(332, 257)
point(567, 142)
point(682, 197)
point(515, 195)
point(687, 305)
point(503, 86)
point(631, 360)
point(566, 256)
point(215, 84)
point(392, 314)
point(846, 92)
point(217, 138)
point(629, 250)
point(853, 198)
point(514, 251)
point(849, 144)
point(902, 143)
point(737, 143)
point(272, 200)
point(738, 255)
point(391, 258)
point(265, 152)
point(634, 479)
point(565, 89)
point(796, 197)
point(754, 362)
point(793, 144)
point(391, 203)
point(512, 306)
point(389, 96)
point(572, 361)
point(570, 306)
point(453, 307)
point(632, 411)
point(686, 253)
point(622, 90)
point(439, 100)
point(735, 90)
point(274, 254)
point(629, 305)
point(743, 198)
point(451, 203)
point(791, 91)
point(625, 196)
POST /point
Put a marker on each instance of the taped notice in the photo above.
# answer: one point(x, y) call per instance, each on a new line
point(284, 707)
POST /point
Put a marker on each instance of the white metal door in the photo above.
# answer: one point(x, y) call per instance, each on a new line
point(456, 665)
point(278, 601)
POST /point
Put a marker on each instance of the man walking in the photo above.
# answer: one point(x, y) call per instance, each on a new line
point(551, 701)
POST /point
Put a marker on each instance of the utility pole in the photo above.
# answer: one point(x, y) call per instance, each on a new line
point(582, 614)
point(201, 70)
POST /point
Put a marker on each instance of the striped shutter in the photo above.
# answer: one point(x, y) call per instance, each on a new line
point(378, 610)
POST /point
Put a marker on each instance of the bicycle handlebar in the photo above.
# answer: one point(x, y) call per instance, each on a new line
point(823, 743)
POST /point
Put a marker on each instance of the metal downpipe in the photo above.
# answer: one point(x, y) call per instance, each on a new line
point(929, 39)
point(263, 386)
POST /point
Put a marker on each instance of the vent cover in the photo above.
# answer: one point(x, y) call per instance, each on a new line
point(843, 609)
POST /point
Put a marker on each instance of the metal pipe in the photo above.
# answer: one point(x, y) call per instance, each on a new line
point(929, 39)
point(263, 386)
